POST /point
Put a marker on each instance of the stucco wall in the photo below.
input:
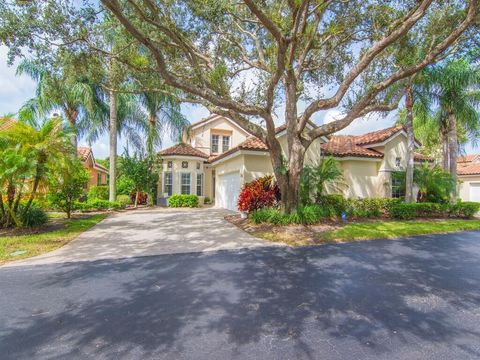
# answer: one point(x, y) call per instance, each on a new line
point(201, 136)
point(257, 166)
point(361, 178)
point(312, 154)
point(177, 169)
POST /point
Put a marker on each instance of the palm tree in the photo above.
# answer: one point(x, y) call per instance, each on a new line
point(78, 99)
point(454, 89)
point(163, 115)
point(29, 152)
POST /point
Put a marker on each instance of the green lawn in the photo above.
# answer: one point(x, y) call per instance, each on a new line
point(36, 244)
point(395, 229)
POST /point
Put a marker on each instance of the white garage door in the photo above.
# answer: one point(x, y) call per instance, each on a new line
point(227, 190)
point(475, 192)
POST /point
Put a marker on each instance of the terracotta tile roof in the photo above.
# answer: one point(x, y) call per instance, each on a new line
point(6, 123)
point(183, 149)
point(468, 169)
point(344, 145)
point(83, 152)
point(252, 143)
point(467, 158)
point(421, 157)
point(101, 167)
point(378, 136)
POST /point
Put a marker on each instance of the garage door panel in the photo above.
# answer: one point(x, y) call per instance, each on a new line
point(227, 191)
point(475, 192)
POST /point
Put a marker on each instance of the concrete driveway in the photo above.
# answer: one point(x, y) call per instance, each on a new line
point(152, 232)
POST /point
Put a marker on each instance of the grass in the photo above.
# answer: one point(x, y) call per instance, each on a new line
point(36, 244)
point(395, 229)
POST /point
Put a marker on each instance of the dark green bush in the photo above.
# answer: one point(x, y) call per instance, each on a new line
point(269, 215)
point(183, 200)
point(34, 217)
point(98, 192)
point(96, 205)
point(464, 209)
point(335, 203)
point(368, 208)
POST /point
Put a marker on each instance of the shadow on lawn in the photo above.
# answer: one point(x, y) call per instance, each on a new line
point(235, 302)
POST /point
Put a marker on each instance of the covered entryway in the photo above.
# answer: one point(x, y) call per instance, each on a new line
point(475, 192)
point(227, 190)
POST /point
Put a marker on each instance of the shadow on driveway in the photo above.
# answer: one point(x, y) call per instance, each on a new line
point(405, 299)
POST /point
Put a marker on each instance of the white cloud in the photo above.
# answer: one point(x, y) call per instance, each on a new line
point(362, 125)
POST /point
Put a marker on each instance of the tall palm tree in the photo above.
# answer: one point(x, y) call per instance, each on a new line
point(454, 90)
point(77, 98)
point(163, 115)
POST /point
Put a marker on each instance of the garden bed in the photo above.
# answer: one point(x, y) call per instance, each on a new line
point(337, 231)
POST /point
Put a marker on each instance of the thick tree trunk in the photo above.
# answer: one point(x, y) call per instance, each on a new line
point(409, 196)
point(453, 151)
point(113, 147)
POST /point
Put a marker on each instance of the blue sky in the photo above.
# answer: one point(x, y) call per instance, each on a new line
point(15, 90)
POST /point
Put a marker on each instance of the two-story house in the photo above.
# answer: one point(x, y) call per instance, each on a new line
point(217, 157)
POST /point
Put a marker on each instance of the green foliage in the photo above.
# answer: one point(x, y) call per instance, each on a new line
point(207, 200)
point(406, 211)
point(98, 192)
point(123, 200)
point(67, 187)
point(336, 204)
point(96, 205)
point(435, 184)
point(33, 216)
point(140, 172)
point(125, 185)
point(370, 208)
point(183, 200)
point(315, 177)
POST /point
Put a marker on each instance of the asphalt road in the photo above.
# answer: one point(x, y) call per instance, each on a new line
point(405, 299)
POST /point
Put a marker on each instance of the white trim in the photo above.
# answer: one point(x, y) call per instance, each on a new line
point(217, 117)
point(182, 157)
point(240, 152)
point(384, 142)
point(354, 158)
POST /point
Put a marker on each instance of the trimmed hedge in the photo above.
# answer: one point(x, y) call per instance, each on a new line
point(96, 205)
point(408, 211)
point(183, 200)
point(123, 200)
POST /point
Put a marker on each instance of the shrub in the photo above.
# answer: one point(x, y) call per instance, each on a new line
point(464, 209)
point(123, 200)
point(33, 217)
point(367, 208)
point(98, 192)
point(269, 215)
point(310, 214)
point(96, 205)
point(125, 185)
point(183, 200)
point(257, 194)
point(207, 200)
point(336, 204)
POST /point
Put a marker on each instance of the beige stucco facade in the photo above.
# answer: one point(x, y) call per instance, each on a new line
point(469, 187)
point(223, 176)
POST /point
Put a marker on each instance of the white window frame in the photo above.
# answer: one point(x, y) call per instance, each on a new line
point(165, 191)
point(227, 147)
point(199, 186)
point(215, 147)
point(189, 183)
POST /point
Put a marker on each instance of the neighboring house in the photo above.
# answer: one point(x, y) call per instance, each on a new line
point(6, 123)
point(468, 170)
point(218, 157)
point(98, 173)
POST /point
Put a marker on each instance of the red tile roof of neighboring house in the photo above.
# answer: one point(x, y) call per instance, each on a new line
point(421, 157)
point(344, 145)
point(468, 169)
point(183, 149)
point(378, 136)
point(467, 158)
point(83, 152)
point(252, 143)
point(6, 123)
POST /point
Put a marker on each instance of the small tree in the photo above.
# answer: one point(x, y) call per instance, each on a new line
point(66, 189)
point(315, 177)
point(435, 184)
point(140, 171)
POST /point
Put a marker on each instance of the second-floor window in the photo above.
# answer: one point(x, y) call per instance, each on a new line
point(215, 141)
point(225, 143)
